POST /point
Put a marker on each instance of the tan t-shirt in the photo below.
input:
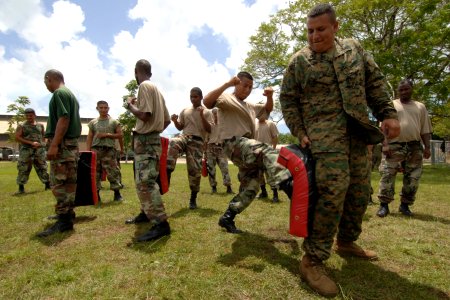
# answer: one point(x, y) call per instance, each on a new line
point(192, 122)
point(237, 118)
point(150, 100)
point(265, 132)
point(414, 121)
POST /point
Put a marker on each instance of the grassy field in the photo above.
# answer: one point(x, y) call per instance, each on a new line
point(99, 260)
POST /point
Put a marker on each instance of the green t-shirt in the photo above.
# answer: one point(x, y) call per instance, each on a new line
point(63, 104)
point(108, 125)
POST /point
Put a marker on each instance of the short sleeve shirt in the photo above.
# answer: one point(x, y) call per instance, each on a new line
point(150, 100)
point(63, 104)
point(108, 125)
point(266, 132)
point(414, 121)
point(237, 118)
point(192, 122)
point(31, 132)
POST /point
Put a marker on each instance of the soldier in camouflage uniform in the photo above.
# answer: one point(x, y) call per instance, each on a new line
point(266, 131)
point(195, 122)
point(103, 131)
point(324, 97)
point(152, 118)
point(406, 150)
point(62, 133)
point(215, 155)
point(30, 135)
point(237, 129)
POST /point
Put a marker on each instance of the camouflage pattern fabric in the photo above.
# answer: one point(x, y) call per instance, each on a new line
point(410, 157)
point(30, 156)
point(215, 156)
point(147, 149)
point(193, 147)
point(343, 185)
point(252, 158)
point(63, 175)
point(107, 160)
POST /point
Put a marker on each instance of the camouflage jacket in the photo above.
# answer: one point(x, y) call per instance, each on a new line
point(360, 82)
point(32, 132)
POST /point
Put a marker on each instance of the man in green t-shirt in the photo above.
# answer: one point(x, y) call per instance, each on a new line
point(62, 133)
point(103, 131)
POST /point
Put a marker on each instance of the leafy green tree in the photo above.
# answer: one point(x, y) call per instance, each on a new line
point(127, 119)
point(408, 39)
point(18, 108)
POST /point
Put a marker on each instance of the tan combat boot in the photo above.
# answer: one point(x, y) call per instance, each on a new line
point(352, 249)
point(314, 274)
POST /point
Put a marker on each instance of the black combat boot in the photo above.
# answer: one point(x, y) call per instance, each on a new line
point(193, 201)
point(227, 221)
point(383, 211)
point(404, 209)
point(64, 223)
point(47, 186)
point(275, 196)
point(287, 187)
point(214, 189)
point(140, 218)
point(229, 190)
point(263, 194)
point(117, 195)
point(21, 189)
point(157, 231)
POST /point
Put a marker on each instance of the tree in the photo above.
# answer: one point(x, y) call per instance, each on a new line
point(408, 39)
point(127, 119)
point(18, 108)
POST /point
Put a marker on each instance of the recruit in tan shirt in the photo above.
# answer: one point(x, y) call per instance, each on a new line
point(150, 100)
point(230, 113)
point(192, 122)
point(414, 121)
point(266, 132)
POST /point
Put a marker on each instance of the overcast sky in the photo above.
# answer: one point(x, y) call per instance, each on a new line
point(95, 43)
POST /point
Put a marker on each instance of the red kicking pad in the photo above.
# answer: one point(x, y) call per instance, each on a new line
point(301, 165)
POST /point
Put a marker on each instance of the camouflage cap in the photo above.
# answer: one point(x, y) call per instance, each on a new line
point(29, 111)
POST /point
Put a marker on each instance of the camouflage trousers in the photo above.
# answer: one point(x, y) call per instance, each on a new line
point(343, 188)
point(215, 156)
point(107, 160)
point(63, 176)
point(252, 158)
point(406, 156)
point(147, 151)
point(29, 157)
point(192, 146)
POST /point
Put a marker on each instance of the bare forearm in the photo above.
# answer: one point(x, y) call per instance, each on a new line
point(210, 99)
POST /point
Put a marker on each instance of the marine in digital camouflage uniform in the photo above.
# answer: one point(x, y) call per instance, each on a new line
point(195, 121)
point(237, 129)
point(62, 133)
point(326, 90)
point(152, 118)
point(216, 156)
point(103, 131)
point(406, 151)
point(30, 135)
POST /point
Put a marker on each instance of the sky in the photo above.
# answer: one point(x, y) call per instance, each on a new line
point(96, 43)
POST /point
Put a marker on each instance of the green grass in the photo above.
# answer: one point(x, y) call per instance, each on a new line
point(98, 260)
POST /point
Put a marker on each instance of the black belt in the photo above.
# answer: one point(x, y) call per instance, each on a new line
point(407, 143)
point(102, 147)
point(195, 137)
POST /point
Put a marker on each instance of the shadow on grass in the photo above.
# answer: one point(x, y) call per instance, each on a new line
point(259, 246)
point(362, 279)
point(202, 212)
point(109, 203)
point(150, 246)
point(54, 239)
point(422, 217)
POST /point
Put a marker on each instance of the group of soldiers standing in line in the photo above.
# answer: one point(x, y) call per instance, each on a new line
point(326, 91)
